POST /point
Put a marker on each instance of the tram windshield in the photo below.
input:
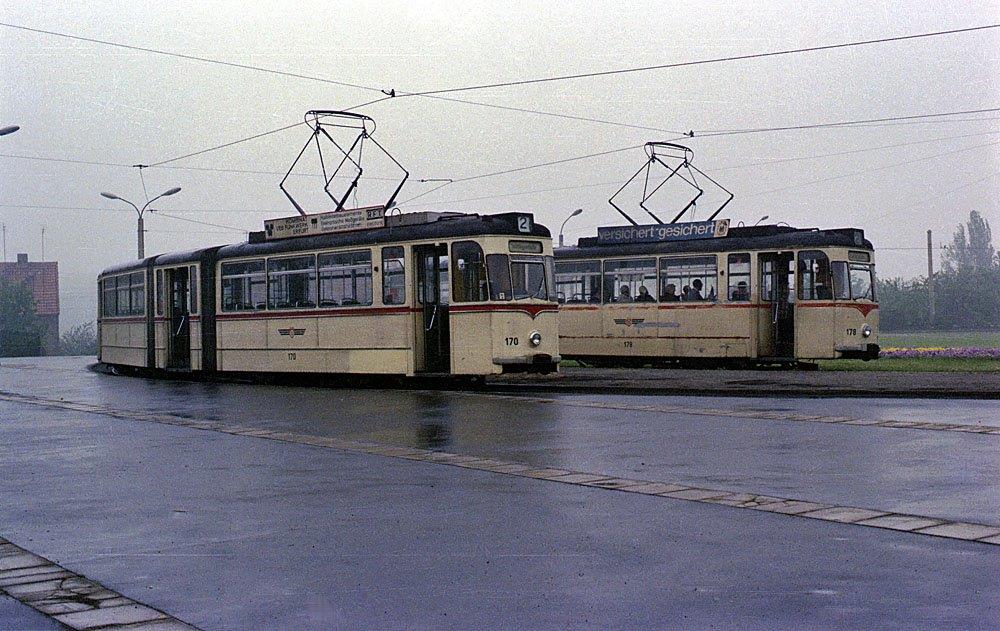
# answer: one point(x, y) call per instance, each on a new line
point(854, 281)
point(521, 277)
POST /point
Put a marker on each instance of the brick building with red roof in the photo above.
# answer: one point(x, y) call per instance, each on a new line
point(43, 281)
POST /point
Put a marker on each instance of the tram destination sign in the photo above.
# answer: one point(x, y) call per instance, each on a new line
point(323, 223)
point(656, 233)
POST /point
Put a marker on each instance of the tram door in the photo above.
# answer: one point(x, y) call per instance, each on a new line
point(179, 337)
point(776, 325)
point(433, 294)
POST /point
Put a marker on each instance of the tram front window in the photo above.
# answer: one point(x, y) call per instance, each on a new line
point(814, 276)
point(469, 275)
point(853, 281)
point(528, 277)
point(862, 282)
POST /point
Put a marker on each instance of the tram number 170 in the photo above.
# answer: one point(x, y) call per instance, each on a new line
point(511, 341)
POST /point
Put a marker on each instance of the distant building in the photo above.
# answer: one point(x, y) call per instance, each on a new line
point(43, 281)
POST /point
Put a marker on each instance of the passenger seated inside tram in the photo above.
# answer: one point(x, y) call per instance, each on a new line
point(741, 292)
point(685, 292)
point(694, 292)
point(669, 293)
point(624, 295)
point(644, 295)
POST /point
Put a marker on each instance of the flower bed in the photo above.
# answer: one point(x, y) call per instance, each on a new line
point(972, 352)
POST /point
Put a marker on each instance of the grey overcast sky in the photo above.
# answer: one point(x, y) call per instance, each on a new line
point(89, 102)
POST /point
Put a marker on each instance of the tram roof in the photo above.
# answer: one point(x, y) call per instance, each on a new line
point(445, 226)
point(442, 226)
point(738, 239)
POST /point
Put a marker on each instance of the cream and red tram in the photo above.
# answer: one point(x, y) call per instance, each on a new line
point(673, 293)
point(425, 293)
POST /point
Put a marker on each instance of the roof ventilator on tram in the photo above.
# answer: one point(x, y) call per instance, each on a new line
point(348, 160)
point(663, 154)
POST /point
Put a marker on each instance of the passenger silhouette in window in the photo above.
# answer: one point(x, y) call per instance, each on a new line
point(670, 293)
point(644, 295)
point(624, 295)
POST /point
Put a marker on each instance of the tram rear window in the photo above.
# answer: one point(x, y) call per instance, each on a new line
point(244, 286)
point(468, 276)
point(345, 279)
point(123, 295)
point(578, 282)
point(688, 279)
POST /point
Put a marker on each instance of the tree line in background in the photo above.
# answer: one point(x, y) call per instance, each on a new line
point(966, 290)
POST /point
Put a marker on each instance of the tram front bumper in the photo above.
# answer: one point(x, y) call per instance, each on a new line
point(859, 351)
point(527, 360)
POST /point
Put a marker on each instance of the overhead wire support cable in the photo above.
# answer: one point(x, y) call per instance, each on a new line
point(167, 53)
point(700, 62)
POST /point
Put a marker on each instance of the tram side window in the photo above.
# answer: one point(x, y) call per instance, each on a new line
point(468, 277)
point(578, 282)
point(528, 277)
point(244, 286)
point(159, 292)
point(814, 276)
point(498, 270)
point(631, 280)
point(109, 299)
point(137, 293)
point(393, 276)
point(689, 279)
point(291, 282)
point(345, 279)
point(739, 277)
point(122, 289)
point(193, 289)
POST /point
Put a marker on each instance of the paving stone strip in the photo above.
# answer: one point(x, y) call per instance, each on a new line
point(75, 601)
point(967, 428)
point(916, 524)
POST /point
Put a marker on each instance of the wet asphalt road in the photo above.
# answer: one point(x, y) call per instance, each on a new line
point(229, 532)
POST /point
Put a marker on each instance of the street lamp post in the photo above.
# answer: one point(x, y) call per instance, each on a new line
point(571, 215)
point(764, 218)
point(141, 230)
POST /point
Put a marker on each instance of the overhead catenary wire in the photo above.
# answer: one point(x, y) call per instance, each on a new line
point(701, 62)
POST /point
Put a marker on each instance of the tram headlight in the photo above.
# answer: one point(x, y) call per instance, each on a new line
point(535, 338)
point(866, 331)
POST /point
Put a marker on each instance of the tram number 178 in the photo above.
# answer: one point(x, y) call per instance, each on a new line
point(852, 331)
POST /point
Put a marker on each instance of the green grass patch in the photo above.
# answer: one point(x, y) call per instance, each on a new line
point(937, 339)
point(914, 364)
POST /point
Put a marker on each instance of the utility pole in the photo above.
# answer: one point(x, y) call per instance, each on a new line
point(930, 279)
point(4, 242)
point(43, 243)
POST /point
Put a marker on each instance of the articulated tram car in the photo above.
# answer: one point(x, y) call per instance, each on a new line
point(423, 293)
point(729, 296)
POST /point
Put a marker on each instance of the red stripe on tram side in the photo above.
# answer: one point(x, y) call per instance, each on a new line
point(531, 310)
point(864, 308)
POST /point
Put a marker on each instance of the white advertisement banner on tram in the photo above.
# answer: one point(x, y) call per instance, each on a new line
point(664, 232)
point(323, 223)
